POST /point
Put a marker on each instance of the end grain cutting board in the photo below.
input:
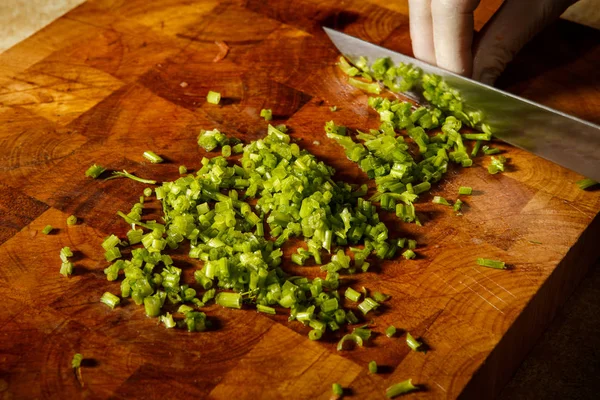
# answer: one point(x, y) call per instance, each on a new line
point(104, 83)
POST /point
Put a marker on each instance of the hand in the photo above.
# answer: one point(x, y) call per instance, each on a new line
point(442, 33)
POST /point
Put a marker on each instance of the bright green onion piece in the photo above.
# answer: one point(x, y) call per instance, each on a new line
point(65, 253)
point(346, 67)
point(47, 229)
point(226, 150)
point(182, 170)
point(152, 157)
point(167, 319)
point(333, 109)
point(337, 389)
point(95, 171)
point(476, 148)
point(184, 308)
point(349, 337)
point(213, 97)
point(66, 268)
point(265, 309)
point(368, 305)
point(373, 367)
point(440, 200)
point(112, 254)
point(380, 297)
point(484, 262)
point(457, 206)
point(267, 114)
point(148, 192)
point(76, 361)
point(352, 294)
point(364, 86)
point(125, 174)
point(110, 242)
point(152, 305)
point(400, 388)
point(229, 300)
point(412, 342)
point(315, 334)
point(409, 254)
point(488, 151)
point(466, 190)
point(477, 136)
point(586, 183)
point(72, 220)
point(110, 300)
point(390, 331)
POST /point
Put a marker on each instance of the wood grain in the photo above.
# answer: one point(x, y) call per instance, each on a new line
point(104, 83)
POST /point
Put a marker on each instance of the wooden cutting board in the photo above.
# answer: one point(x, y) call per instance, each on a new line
point(114, 78)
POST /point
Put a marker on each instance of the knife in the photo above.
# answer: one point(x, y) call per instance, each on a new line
point(551, 134)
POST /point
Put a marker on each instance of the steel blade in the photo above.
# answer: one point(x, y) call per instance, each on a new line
point(551, 134)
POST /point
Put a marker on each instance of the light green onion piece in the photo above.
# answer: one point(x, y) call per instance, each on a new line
point(466, 190)
point(66, 268)
point(440, 200)
point(152, 157)
point(72, 220)
point(47, 229)
point(400, 388)
point(390, 331)
point(457, 206)
point(586, 183)
point(346, 67)
point(333, 109)
point(373, 367)
point(409, 254)
point(349, 337)
point(110, 299)
point(167, 319)
point(368, 305)
point(213, 97)
point(484, 262)
point(337, 389)
point(352, 294)
point(125, 174)
point(380, 297)
point(367, 87)
point(229, 300)
point(95, 171)
point(76, 361)
point(265, 309)
point(267, 114)
point(148, 192)
point(412, 342)
point(315, 334)
point(182, 170)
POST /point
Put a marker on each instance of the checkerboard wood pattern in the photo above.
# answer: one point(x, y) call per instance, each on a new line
point(102, 84)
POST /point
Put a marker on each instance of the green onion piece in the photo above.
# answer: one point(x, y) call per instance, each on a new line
point(490, 151)
point(125, 174)
point(213, 97)
point(315, 334)
point(400, 388)
point(76, 361)
point(265, 309)
point(337, 389)
point(352, 294)
point(66, 268)
point(152, 305)
point(112, 254)
point(346, 67)
point(364, 86)
point(440, 200)
point(148, 192)
point(484, 262)
point(167, 319)
point(110, 242)
point(390, 331)
point(586, 183)
point(47, 229)
point(349, 337)
point(333, 109)
point(409, 254)
point(412, 342)
point(226, 150)
point(457, 205)
point(110, 299)
point(95, 171)
point(182, 170)
point(65, 253)
point(368, 305)
point(412, 244)
point(466, 190)
point(373, 367)
point(229, 300)
point(267, 114)
point(184, 308)
point(72, 220)
point(476, 148)
point(363, 332)
point(381, 297)
point(477, 136)
point(152, 157)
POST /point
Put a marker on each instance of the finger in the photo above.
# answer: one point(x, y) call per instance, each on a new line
point(508, 31)
point(421, 30)
point(453, 34)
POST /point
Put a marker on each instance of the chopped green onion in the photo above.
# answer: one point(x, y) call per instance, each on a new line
point(95, 171)
point(229, 300)
point(352, 294)
point(110, 299)
point(368, 305)
point(346, 67)
point(148, 192)
point(76, 361)
point(412, 342)
point(373, 367)
point(152, 157)
point(72, 220)
point(315, 334)
point(66, 268)
point(488, 151)
point(349, 337)
point(213, 97)
point(167, 319)
point(400, 388)
point(497, 165)
point(267, 114)
point(586, 183)
point(333, 109)
point(265, 309)
point(337, 389)
point(476, 148)
point(380, 297)
point(182, 170)
point(65, 253)
point(457, 206)
point(409, 254)
point(440, 200)
point(367, 87)
point(466, 190)
point(125, 174)
point(47, 229)
point(484, 262)
point(390, 331)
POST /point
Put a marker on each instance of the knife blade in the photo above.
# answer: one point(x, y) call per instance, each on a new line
point(548, 133)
